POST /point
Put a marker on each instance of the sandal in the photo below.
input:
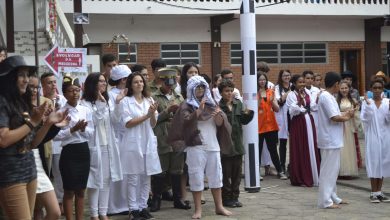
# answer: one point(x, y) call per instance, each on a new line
point(333, 206)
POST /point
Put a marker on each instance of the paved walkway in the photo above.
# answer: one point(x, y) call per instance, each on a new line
point(277, 199)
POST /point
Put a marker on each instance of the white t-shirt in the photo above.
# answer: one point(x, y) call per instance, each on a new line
point(330, 133)
point(208, 135)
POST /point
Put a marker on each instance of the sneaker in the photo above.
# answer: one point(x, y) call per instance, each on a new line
point(383, 198)
point(374, 199)
point(261, 178)
point(282, 176)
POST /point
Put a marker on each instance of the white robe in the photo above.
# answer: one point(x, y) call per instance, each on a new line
point(100, 112)
point(118, 197)
point(281, 116)
point(313, 92)
point(376, 123)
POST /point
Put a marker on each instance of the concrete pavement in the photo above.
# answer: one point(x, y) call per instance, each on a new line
point(277, 199)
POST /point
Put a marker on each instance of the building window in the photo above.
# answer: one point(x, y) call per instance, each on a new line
point(180, 53)
point(126, 54)
point(283, 53)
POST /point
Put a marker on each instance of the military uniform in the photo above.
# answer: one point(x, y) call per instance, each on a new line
point(153, 87)
point(172, 163)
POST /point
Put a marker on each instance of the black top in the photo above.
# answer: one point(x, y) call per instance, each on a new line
point(15, 166)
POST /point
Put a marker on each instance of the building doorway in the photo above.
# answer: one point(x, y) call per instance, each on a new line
point(351, 60)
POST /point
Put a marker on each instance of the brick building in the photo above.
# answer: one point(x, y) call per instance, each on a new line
point(319, 35)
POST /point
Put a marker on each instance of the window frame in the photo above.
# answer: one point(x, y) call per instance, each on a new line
point(181, 51)
point(135, 52)
point(279, 52)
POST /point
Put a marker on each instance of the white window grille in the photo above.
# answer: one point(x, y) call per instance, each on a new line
point(180, 53)
point(293, 53)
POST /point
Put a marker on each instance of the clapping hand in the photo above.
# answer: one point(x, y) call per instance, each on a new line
point(101, 97)
point(80, 126)
point(152, 109)
point(201, 106)
point(366, 99)
point(58, 118)
point(121, 95)
point(39, 113)
point(173, 108)
point(217, 115)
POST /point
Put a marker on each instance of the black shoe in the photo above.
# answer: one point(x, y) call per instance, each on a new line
point(149, 202)
point(181, 205)
point(237, 203)
point(136, 215)
point(155, 204)
point(167, 196)
point(229, 203)
point(146, 214)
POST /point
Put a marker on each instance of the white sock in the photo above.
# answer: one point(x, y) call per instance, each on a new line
point(377, 193)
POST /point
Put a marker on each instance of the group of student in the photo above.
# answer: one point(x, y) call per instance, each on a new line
point(113, 141)
point(322, 125)
point(128, 141)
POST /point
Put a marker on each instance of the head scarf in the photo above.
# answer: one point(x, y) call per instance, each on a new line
point(194, 82)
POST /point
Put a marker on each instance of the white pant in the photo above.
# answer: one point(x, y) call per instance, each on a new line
point(330, 166)
point(138, 187)
point(98, 198)
point(200, 162)
point(57, 179)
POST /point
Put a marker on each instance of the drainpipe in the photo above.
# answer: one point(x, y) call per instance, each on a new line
point(35, 33)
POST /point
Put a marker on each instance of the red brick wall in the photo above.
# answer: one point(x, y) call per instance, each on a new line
point(148, 51)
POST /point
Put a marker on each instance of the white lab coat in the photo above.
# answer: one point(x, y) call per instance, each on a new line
point(281, 115)
point(376, 123)
point(95, 178)
point(139, 144)
point(116, 121)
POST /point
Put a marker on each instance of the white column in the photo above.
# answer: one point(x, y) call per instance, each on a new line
point(249, 85)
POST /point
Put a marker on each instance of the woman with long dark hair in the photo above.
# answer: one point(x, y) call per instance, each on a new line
point(189, 70)
point(268, 127)
point(139, 144)
point(105, 161)
point(281, 91)
point(304, 157)
point(20, 131)
point(75, 157)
